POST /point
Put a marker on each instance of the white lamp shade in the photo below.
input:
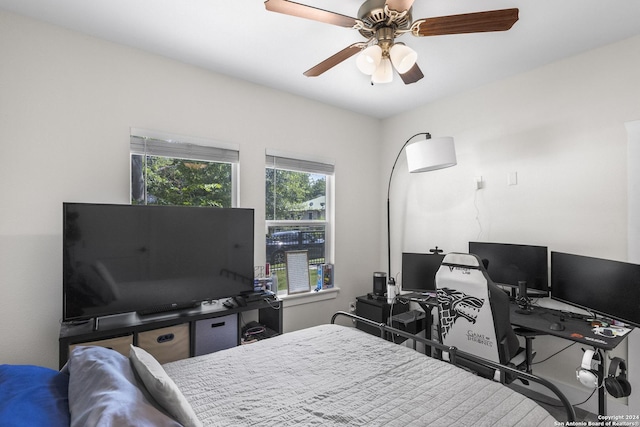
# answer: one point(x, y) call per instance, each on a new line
point(384, 72)
point(369, 59)
point(431, 154)
point(402, 57)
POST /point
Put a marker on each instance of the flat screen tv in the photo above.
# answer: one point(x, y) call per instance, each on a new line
point(507, 264)
point(605, 287)
point(134, 258)
point(419, 271)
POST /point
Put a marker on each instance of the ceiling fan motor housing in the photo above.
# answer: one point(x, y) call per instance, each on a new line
point(372, 14)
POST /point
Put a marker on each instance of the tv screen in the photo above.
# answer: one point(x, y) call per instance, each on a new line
point(507, 264)
point(125, 258)
point(609, 288)
point(419, 271)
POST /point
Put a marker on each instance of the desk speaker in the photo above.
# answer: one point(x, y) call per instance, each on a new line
point(379, 283)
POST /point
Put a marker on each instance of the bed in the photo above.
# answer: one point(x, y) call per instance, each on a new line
point(328, 375)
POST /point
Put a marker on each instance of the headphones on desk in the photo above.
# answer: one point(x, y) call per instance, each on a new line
point(585, 373)
point(617, 386)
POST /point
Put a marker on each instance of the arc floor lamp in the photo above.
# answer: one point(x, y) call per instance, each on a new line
point(424, 155)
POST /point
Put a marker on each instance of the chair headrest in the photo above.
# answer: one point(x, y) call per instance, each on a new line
point(462, 260)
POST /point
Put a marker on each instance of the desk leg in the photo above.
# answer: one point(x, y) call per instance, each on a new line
point(602, 396)
point(528, 347)
point(427, 326)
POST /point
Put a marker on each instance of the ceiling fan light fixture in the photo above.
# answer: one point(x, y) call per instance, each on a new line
point(384, 72)
point(369, 59)
point(402, 57)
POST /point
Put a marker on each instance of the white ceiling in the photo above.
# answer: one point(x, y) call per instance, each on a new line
point(241, 39)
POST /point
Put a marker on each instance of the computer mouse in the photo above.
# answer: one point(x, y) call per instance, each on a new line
point(556, 326)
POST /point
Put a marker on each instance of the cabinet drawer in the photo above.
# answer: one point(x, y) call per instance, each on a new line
point(216, 334)
point(119, 344)
point(166, 344)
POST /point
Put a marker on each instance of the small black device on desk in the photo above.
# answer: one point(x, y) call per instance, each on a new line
point(240, 300)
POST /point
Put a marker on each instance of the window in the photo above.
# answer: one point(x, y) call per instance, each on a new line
point(174, 170)
point(298, 212)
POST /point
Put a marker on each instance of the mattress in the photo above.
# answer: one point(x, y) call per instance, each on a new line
point(333, 375)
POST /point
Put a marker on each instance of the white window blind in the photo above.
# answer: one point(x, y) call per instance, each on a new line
point(299, 165)
point(182, 147)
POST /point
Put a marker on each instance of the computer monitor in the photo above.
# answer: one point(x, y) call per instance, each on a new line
point(609, 288)
point(419, 271)
point(507, 264)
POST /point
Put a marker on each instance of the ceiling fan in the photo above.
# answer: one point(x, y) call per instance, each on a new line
point(381, 22)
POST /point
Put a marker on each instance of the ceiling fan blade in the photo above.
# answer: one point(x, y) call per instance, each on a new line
point(303, 11)
point(400, 5)
point(494, 20)
point(413, 75)
point(334, 60)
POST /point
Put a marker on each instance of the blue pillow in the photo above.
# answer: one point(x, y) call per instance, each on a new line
point(33, 396)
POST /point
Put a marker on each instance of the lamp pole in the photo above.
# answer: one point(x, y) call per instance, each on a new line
point(392, 281)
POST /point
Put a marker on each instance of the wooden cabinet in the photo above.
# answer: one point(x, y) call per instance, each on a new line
point(119, 344)
point(172, 335)
point(166, 344)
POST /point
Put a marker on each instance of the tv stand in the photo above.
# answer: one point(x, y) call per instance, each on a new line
point(176, 334)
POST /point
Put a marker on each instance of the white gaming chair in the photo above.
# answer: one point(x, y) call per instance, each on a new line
point(474, 315)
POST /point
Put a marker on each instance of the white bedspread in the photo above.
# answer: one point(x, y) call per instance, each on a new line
point(333, 375)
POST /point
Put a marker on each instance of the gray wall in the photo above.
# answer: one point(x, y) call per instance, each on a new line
point(562, 129)
point(67, 104)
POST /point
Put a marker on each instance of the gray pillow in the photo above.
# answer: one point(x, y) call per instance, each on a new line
point(162, 388)
point(103, 391)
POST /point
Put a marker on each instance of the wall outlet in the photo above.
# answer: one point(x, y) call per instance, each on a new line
point(478, 183)
point(352, 307)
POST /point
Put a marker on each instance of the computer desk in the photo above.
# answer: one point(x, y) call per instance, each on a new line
point(576, 329)
point(427, 304)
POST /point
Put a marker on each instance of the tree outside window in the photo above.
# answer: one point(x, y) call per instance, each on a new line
point(159, 180)
point(178, 170)
point(296, 215)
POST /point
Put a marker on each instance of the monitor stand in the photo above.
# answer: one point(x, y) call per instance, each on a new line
point(523, 301)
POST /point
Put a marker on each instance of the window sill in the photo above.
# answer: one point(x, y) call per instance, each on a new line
point(309, 297)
